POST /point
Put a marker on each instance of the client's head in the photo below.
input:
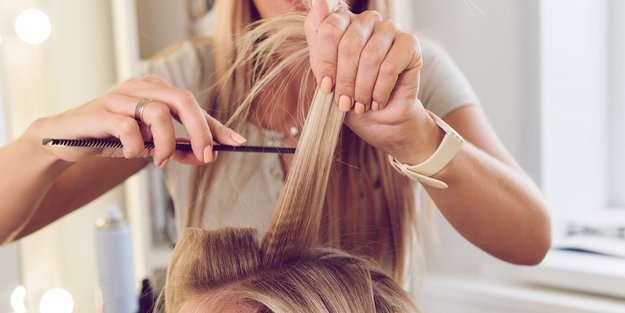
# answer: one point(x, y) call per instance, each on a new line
point(225, 271)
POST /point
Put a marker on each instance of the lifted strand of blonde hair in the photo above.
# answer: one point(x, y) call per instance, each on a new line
point(295, 223)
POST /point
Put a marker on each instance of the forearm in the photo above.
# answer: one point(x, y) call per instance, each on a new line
point(27, 174)
point(493, 205)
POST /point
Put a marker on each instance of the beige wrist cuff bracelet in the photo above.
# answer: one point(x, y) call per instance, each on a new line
point(422, 172)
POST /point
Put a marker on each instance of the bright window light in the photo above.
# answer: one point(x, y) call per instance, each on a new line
point(18, 297)
point(56, 300)
point(33, 26)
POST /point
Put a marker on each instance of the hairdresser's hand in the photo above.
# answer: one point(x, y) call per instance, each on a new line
point(374, 69)
point(112, 115)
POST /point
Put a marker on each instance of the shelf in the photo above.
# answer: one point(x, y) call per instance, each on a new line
point(443, 293)
point(578, 271)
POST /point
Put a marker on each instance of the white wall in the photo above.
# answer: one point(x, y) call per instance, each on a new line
point(496, 46)
point(575, 84)
point(617, 133)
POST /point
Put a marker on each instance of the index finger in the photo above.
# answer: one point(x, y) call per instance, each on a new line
point(319, 10)
point(324, 29)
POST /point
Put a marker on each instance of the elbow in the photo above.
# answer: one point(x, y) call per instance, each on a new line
point(536, 248)
point(531, 255)
point(530, 252)
point(536, 256)
point(532, 247)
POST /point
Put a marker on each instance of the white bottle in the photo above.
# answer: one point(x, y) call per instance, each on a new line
point(115, 263)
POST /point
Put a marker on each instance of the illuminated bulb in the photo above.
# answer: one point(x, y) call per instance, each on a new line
point(18, 297)
point(56, 300)
point(33, 26)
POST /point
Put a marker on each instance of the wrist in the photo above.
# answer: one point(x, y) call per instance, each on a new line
point(428, 137)
point(29, 145)
point(423, 171)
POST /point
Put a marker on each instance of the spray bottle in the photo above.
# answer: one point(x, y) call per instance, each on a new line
point(115, 263)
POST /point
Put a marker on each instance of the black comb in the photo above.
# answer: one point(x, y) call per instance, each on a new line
point(182, 146)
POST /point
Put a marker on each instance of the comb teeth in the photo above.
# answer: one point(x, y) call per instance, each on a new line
point(90, 142)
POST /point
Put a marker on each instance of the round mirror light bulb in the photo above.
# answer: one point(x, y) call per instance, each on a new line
point(18, 299)
point(56, 300)
point(33, 26)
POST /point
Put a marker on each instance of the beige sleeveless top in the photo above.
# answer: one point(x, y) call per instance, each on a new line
point(244, 193)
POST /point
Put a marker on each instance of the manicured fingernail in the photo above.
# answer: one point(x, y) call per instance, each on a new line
point(345, 103)
point(237, 138)
point(375, 106)
point(215, 155)
point(208, 154)
point(164, 163)
point(359, 108)
point(326, 84)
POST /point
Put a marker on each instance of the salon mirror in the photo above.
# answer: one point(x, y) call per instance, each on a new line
point(85, 49)
point(10, 283)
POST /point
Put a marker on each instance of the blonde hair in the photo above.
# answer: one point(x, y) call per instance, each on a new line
point(381, 226)
point(227, 268)
point(290, 270)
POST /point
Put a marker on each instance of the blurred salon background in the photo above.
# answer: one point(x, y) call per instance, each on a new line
point(550, 75)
